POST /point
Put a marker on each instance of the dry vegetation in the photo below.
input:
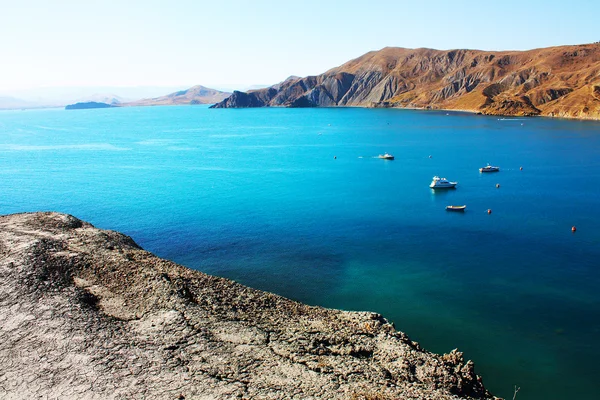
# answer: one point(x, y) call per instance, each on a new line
point(559, 81)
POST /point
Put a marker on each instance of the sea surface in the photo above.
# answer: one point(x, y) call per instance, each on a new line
point(294, 201)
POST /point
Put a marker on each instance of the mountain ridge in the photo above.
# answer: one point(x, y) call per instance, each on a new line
point(194, 95)
point(560, 81)
point(10, 103)
point(107, 98)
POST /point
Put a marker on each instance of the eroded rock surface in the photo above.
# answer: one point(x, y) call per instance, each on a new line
point(87, 314)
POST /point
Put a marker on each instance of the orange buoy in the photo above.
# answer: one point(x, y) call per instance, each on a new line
point(573, 229)
point(489, 211)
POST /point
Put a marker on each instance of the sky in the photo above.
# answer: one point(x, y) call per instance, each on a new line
point(231, 44)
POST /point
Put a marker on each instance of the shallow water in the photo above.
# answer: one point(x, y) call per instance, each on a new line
point(295, 201)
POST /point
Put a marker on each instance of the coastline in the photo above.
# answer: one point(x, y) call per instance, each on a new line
point(103, 317)
point(475, 112)
point(466, 111)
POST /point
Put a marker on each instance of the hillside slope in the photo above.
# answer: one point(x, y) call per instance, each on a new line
point(559, 81)
point(194, 95)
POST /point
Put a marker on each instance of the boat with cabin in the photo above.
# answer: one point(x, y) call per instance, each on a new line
point(489, 168)
point(442, 183)
point(386, 156)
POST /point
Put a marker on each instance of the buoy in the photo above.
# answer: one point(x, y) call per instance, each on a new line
point(335, 157)
point(497, 185)
point(521, 168)
point(429, 156)
point(489, 210)
point(573, 229)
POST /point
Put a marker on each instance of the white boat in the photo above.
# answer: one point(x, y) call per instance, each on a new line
point(386, 156)
point(441, 183)
point(489, 168)
point(456, 208)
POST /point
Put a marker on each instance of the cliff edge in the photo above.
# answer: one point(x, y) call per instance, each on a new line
point(88, 314)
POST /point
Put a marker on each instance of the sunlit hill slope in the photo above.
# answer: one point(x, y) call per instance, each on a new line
point(559, 81)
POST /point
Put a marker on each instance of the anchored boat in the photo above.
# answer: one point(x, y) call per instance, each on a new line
point(489, 168)
point(456, 208)
point(441, 183)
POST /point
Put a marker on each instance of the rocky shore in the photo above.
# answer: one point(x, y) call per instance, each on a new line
point(87, 314)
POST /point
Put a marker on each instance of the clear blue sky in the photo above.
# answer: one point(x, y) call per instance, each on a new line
point(218, 42)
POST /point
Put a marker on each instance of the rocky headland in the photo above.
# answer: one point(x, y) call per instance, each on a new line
point(561, 81)
point(87, 105)
point(88, 314)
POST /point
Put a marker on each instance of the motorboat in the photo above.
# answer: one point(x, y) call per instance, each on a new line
point(456, 208)
point(442, 183)
point(386, 156)
point(489, 168)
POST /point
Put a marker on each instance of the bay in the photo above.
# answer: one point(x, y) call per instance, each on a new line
point(295, 201)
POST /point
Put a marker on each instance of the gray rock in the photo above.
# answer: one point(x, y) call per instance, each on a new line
point(88, 314)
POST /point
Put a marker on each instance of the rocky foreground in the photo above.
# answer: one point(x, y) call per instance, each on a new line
point(87, 314)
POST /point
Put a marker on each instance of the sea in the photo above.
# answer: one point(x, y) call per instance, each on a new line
point(297, 202)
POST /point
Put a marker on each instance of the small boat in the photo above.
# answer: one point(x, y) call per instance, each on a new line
point(386, 156)
point(456, 208)
point(442, 183)
point(489, 168)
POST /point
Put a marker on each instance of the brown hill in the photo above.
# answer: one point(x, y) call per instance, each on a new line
point(559, 81)
point(194, 95)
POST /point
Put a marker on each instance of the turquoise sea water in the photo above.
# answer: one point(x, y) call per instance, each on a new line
point(293, 201)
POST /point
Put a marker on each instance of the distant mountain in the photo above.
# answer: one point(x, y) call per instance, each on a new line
point(60, 96)
point(87, 105)
point(559, 81)
point(102, 98)
point(8, 103)
point(255, 87)
point(194, 95)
